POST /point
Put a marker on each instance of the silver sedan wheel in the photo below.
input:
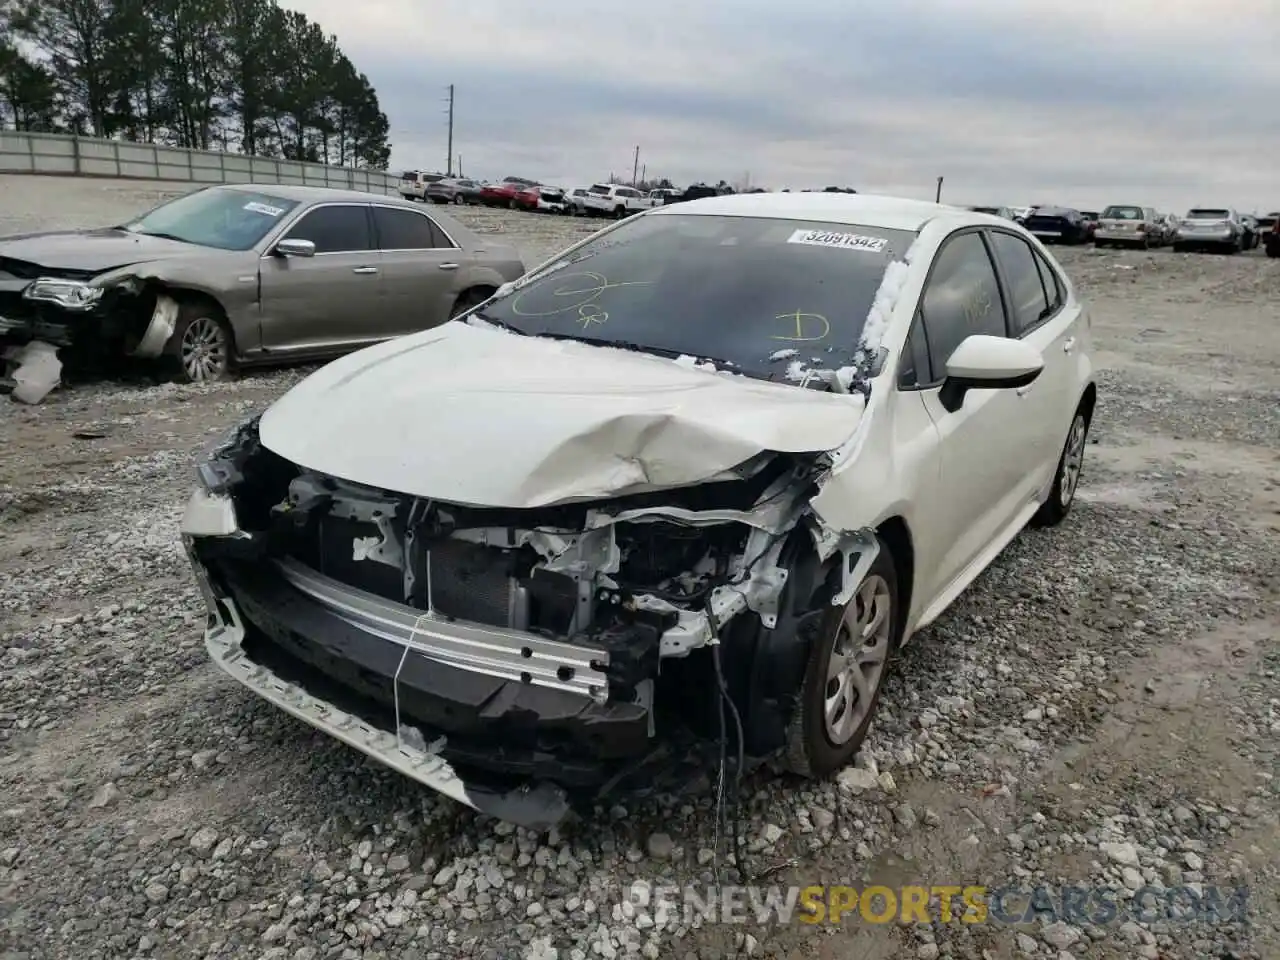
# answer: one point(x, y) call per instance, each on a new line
point(1072, 462)
point(858, 659)
point(204, 350)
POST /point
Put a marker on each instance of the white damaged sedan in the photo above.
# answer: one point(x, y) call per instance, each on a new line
point(694, 481)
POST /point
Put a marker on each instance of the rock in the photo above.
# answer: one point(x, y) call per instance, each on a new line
point(660, 846)
point(105, 796)
point(772, 834)
point(856, 780)
point(397, 863)
point(1027, 944)
point(203, 840)
point(1060, 935)
point(321, 871)
point(1125, 854)
point(156, 892)
point(1193, 861)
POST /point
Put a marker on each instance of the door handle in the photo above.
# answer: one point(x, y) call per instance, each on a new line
point(1069, 345)
point(448, 266)
point(365, 270)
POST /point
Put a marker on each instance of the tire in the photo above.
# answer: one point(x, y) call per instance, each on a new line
point(1066, 477)
point(468, 299)
point(201, 348)
point(619, 212)
point(458, 200)
point(512, 205)
point(817, 747)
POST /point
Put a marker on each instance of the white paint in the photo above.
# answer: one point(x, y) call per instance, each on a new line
point(254, 206)
point(470, 415)
point(838, 240)
point(784, 355)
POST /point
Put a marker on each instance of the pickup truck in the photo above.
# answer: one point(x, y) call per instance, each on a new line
point(613, 200)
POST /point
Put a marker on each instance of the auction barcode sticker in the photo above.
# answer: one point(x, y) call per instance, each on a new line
point(846, 241)
point(264, 208)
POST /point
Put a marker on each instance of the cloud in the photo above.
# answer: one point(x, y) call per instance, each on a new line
point(1016, 101)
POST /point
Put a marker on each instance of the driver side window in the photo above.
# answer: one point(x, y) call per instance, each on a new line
point(961, 298)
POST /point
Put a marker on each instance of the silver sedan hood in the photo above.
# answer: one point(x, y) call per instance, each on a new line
point(483, 417)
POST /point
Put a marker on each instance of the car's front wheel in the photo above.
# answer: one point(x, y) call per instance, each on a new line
point(847, 666)
point(201, 344)
point(1067, 479)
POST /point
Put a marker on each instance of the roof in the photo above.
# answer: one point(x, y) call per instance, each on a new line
point(288, 191)
point(854, 209)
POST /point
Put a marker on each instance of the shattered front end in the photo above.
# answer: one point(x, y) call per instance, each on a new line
point(512, 659)
point(88, 318)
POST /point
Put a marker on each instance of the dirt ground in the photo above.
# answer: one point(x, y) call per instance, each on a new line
point(1101, 710)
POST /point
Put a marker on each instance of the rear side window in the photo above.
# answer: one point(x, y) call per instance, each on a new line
point(1122, 213)
point(1028, 305)
point(1054, 290)
point(962, 298)
point(407, 230)
point(335, 229)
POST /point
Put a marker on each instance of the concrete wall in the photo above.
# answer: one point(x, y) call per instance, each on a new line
point(60, 154)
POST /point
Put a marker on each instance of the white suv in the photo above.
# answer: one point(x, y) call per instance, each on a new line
point(413, 183)
point(614, 200)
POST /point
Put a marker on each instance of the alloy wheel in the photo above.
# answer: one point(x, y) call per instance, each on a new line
point(204, 350)
point(858, 659)
point(1072, 462)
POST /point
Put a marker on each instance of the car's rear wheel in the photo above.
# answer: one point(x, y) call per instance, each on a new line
point(458, 199)
point(1067, 479)
point(468, 299)
point(845, 673)
point(201, 344)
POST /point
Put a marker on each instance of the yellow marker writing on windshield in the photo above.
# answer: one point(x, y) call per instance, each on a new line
point(807, 327)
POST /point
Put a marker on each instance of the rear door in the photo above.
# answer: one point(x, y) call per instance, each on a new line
point(422, 267)
point(328, 302)
point(989, 448)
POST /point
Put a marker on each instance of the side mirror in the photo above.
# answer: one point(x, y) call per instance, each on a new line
point(295, 248)
point(983, 362)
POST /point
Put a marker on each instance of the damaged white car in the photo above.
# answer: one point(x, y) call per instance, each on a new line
point(693, 481)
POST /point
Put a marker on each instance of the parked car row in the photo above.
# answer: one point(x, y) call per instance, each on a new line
point(1131, 225)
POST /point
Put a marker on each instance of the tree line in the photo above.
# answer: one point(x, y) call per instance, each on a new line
point(208, 74)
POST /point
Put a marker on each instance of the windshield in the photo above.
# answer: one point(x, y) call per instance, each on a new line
point(1122, 213)
point(768, 298)
point(217, 217)
point(1199, 214)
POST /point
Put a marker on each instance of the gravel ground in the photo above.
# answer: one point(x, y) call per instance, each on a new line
point(1101, 708)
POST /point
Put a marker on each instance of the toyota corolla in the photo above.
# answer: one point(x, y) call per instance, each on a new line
point(695, 480)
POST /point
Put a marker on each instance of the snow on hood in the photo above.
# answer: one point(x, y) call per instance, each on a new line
point(489, 418)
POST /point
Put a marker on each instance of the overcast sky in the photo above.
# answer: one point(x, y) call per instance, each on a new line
point(1081, 102)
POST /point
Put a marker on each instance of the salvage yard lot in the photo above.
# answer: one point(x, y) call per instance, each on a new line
point(1101, 709)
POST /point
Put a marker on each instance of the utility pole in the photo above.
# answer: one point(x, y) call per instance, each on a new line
point(635, 170)
point(937, 197)
point(460, 173)
point(448, 162)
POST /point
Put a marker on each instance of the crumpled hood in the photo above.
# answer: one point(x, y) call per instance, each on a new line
point(483, 417)
point(93, 251)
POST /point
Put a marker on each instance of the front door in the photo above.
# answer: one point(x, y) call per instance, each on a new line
point(330, 302)
point(989, 446)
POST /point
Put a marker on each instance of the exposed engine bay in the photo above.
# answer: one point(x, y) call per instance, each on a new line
point(559, 643)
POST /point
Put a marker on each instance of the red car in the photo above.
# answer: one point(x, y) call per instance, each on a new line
point(504, 194)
